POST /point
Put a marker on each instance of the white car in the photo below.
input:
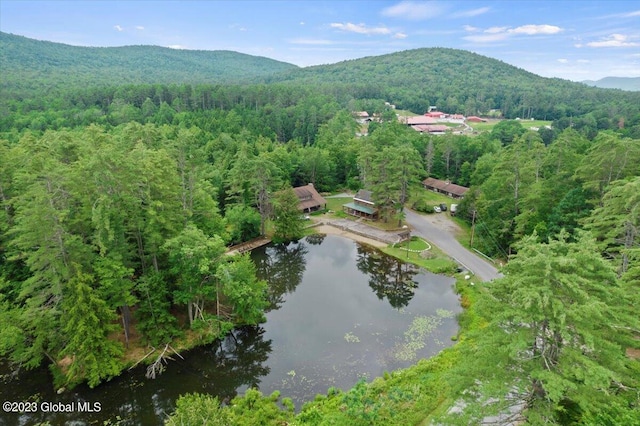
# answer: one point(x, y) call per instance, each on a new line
point(437, 209)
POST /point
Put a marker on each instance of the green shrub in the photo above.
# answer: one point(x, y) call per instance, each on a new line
point(422, 206)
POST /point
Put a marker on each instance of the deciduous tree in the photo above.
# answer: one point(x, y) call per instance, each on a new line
point(286, 216)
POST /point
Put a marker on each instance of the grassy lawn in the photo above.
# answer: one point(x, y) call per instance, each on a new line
point(418, 193)
point(406, 113)
point(415, 243)
point(527, 124)
point(335, 204)
point(432, 260)
point(464, 234)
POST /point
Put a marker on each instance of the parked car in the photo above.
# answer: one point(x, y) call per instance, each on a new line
point(443, 207)
point(437, 209)
point(454, 207)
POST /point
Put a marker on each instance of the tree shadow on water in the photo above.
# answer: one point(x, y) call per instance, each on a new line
point(282, 266)
point(389, 278)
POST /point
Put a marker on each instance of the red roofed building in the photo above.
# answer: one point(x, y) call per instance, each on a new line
point(431, 128)
point(445, 187)
point(418, 120)
point(435, 114)
point(475, 119)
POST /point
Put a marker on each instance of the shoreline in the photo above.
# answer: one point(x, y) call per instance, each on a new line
point(332, 230)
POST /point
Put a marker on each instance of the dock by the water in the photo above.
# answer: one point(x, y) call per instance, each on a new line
point(248, 246)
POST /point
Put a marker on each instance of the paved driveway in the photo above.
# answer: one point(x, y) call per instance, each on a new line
point(439, 229)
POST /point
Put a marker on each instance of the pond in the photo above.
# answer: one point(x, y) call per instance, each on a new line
point(339, 312)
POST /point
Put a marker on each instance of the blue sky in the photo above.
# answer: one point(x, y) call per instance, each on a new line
point(575, 40)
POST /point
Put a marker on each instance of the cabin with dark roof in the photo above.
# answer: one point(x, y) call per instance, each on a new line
point(308, 198)
point(362, 205)
point(445, 187)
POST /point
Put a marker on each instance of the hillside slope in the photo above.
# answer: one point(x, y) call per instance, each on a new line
point(29, 65)
point(455, 81)
point(458, 81)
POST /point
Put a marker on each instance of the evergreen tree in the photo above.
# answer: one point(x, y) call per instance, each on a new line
point(616, 224)
point(559, 323)
point(87, 322)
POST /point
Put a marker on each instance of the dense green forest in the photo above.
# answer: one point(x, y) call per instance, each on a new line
point(120, 201)
point(32, 67)
point(456, 81)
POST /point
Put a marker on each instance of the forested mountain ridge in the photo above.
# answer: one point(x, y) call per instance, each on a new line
point(29, 65)
point(622, 83)
point(458, 81)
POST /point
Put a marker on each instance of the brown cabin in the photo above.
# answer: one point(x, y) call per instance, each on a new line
point(308, 199)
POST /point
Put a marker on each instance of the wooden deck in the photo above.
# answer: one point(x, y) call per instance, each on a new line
point(248, 246)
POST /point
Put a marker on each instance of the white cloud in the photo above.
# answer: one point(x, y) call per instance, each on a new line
point(301, 22)
point(414, 11)
point(118, 28)
point(536, 29)
point(614, 40)
point(494, 34)
point(399, 35)
point(633, 14)
point(471, 13)
point(471, 29)
point(360, 28)
point(176, 46)
point(139, 28)
point(486, 38)
point(563, 61)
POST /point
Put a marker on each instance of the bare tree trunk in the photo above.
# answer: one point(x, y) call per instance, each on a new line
point(126, 321)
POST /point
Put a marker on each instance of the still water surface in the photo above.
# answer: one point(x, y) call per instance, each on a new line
point(339, 312)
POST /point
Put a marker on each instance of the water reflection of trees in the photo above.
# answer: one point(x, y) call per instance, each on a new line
point(282, 266)
point(315, 239)
point(237, 361)
point(388, 277)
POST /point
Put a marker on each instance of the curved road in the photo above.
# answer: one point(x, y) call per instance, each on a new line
point(425, 227)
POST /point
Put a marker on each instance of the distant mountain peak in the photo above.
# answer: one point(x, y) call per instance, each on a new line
point(622, 83)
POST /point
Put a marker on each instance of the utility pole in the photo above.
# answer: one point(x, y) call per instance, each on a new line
point(408, 243)
point(473, 227)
